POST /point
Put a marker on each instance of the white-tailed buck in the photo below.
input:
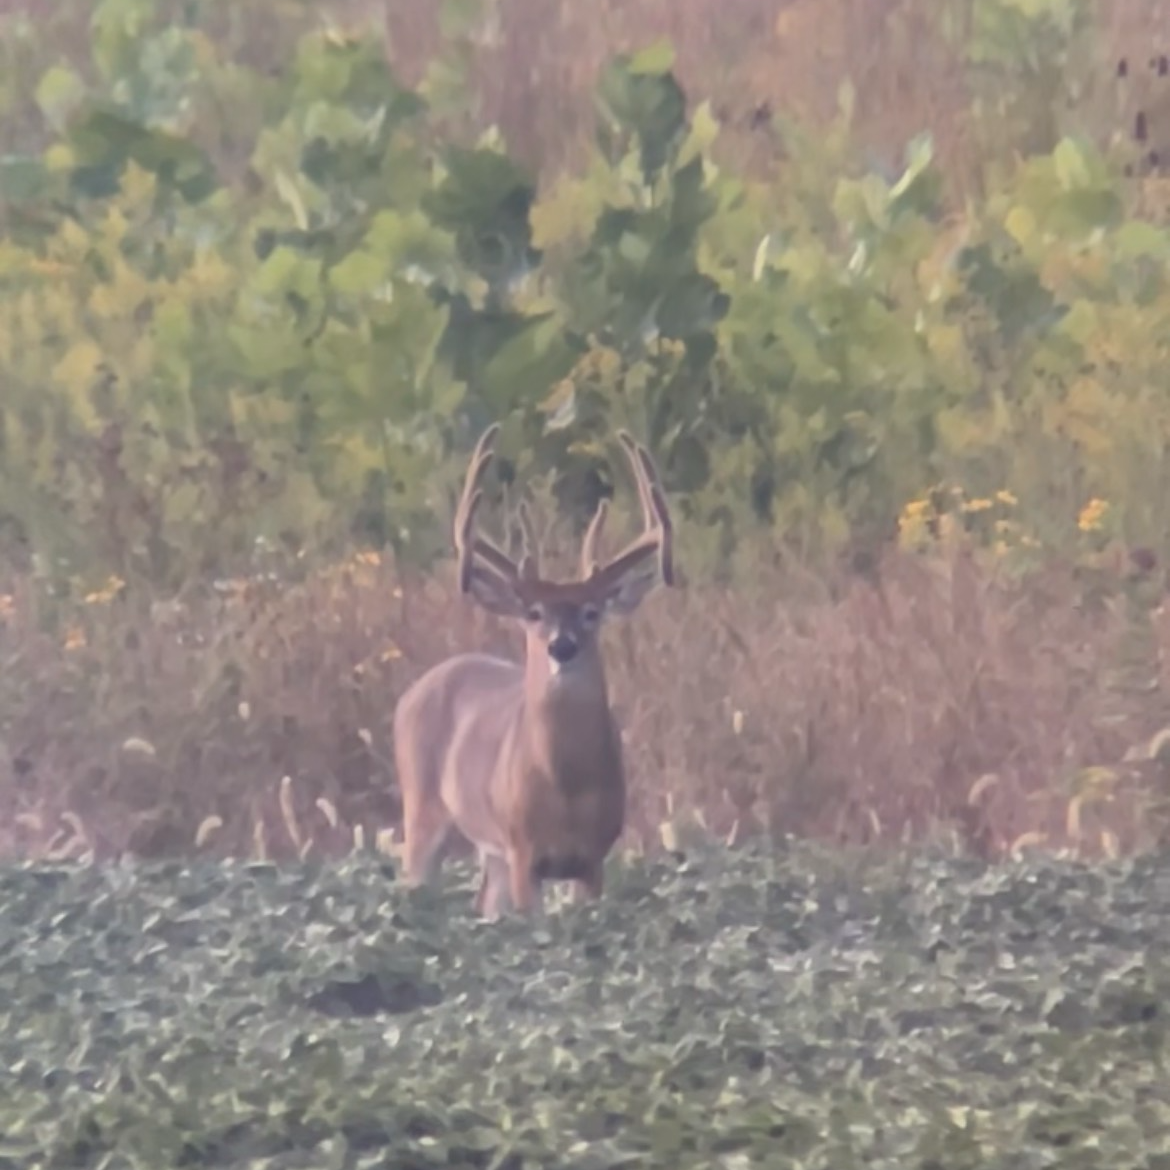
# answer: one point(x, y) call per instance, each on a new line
point(526, 761)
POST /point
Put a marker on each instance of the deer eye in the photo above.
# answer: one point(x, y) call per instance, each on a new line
point(590, 615)
point(534, 613)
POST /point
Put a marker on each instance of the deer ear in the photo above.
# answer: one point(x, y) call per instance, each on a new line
point(495, 595)
point(630, 591)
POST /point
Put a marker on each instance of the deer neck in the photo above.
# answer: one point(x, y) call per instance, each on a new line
point(566, 715)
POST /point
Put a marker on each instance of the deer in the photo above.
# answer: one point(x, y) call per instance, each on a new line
point(524, 761)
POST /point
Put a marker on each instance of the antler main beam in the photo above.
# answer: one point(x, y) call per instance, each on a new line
point(469, 544)
point(657, 530)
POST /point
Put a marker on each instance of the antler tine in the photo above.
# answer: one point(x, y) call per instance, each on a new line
point(658, 530)
point(468, 543)
point(592, 536)
point(653, 497)
point(634, 452)
point(529, 567)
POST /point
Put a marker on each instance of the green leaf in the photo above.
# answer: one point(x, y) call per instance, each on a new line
point(1136, 238)
point(408, 241)
point(117, 28)
point(484, 201)
point(655, 60)
point(480, 189)
point(267, 351)
point(24, 179)
point(286, 188)
point(359, 274)
point(355, 74)
point(1020, 222)
point(694, 304)
point(648, 106)
point(1072, 167)
point(634, 248)
point(104, 140)
point(59, 93)
point(287, 271)
point(525, 366)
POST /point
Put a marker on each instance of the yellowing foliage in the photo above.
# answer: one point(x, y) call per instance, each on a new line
point(294, 339)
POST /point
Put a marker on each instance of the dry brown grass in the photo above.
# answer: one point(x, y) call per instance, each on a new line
point(936, 701)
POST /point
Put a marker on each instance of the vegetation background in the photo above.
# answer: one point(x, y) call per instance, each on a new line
point(883, 283)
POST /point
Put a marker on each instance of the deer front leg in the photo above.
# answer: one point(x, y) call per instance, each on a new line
point(525, 888)
point(492, 898)
point(588, 888)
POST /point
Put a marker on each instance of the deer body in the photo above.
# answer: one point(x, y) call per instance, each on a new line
point(525, 762)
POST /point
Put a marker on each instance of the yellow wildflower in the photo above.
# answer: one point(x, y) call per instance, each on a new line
point(1092, 517)
point(107, 592)
point(914, 522)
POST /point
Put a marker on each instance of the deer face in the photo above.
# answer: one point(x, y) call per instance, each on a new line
point(562, 626)
point(562, 619)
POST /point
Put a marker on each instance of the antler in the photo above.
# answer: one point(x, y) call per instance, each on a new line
point(592, 536)
point(657, 531)
point(477, 554)
point(529, 565)
point(481, 558)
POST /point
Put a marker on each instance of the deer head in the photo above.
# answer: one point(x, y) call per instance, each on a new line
point(562, 619)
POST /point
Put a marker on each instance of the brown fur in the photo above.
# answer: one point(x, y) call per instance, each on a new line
point(526, 761)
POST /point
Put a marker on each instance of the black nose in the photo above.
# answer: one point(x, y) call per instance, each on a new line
point(562, 648)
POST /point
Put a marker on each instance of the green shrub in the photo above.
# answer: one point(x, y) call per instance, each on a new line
point(239, 305)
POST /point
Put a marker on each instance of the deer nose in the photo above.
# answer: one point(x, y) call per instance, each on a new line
point(562, 648)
